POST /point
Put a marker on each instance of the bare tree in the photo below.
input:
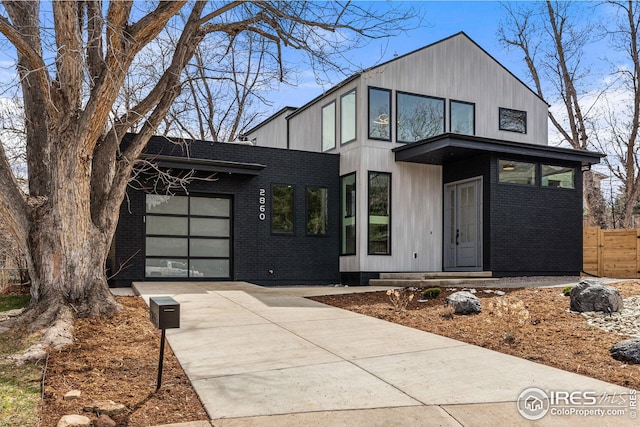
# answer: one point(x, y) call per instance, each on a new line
point(617, 130)
point(552, 43)
point(72, 71)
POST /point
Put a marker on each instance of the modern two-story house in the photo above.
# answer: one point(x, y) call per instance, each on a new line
point(435, 161)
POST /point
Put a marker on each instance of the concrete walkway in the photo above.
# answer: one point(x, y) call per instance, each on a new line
point(269, 357)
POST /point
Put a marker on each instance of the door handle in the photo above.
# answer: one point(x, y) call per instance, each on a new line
point(457, 236)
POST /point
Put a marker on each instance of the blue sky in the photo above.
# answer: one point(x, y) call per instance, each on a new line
point(478, 19)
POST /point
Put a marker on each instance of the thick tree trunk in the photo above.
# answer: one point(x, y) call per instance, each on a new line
point(66, 249)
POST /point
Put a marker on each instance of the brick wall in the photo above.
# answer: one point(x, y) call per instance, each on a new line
point(528, 229)
point(294, 259)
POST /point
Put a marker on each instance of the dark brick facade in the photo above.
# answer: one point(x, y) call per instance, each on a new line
point(528, 229)
point(258, 255)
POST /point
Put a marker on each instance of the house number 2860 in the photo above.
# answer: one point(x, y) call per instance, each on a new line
point(262, 205)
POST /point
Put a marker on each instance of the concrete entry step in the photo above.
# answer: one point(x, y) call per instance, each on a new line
point(428, 283)
point(437, 275)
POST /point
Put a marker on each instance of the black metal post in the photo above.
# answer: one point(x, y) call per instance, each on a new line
point(159, 383)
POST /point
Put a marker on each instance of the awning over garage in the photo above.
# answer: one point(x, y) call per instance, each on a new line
point(447, 148)
point(206, 165)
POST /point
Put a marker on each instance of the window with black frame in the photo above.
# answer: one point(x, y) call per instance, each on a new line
point(462, 117)
point(513, 120)
point(379, 213)
point(379, 114)
point(558, 176)
point(329, 126)
point(418, 117)
point(348, 117)
point(317, 211)
point(282, 215)
point(348, 214)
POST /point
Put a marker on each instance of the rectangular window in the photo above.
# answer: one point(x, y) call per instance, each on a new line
point(513, 120)
point(379, 114)
point(419, 117)
point(558, 176)
point(462, 116)
point(187, 236)
point(348, 214)
point(516, 172)
point(329, 126)
point(379, 213)
point(348, 117)
point(282, 209)
point(317, 211)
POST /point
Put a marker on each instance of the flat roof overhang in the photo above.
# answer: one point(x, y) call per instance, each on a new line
point(206, 165)
point(447, 148)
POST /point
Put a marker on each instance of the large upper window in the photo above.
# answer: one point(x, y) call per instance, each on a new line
point(282, 209)
point(187, 236)
point(317, 211)
point(462, 116)
point(379, 114)
point(348, 214)
point(329, 126)
point(419, 117)
point(379, 213)
point(348, 117)
point(513, 120)
point(558, 176)
point(516, 172)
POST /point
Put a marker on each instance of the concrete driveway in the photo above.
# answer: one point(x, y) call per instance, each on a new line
point(269, 357)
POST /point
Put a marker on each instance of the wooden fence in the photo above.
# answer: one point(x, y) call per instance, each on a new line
point(611, 253)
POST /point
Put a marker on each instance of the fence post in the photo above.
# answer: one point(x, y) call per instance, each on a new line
point(600, 252)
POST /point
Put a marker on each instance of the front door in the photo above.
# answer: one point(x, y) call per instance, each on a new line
point(463, 225)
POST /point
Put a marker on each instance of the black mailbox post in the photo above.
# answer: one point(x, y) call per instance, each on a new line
point(165, 314)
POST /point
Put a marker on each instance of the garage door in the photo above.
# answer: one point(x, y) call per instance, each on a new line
point(188, 237)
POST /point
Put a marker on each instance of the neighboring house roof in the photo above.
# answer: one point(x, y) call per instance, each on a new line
point(449, 147)
point(359, 74)
point(269, 119)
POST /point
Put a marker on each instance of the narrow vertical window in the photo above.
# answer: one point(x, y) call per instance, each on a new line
point(348, 214)
point(348, 117)
point(329, 126)
point(379, 213)
point(317, 211)
point(462, 116)
point(282, 209)
point(379, 114)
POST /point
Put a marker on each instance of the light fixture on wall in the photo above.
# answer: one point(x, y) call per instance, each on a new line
point(509, 167)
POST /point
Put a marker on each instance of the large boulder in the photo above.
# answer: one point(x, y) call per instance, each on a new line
point(593, 295)
point(463, 302)
point(627, 351)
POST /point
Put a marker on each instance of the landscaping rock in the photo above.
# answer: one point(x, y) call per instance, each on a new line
point(106, 407)
point(104, 421)
point(463, 302)
point(627, 351)
point(72, 395)
point(593, 295)
point(74, 421)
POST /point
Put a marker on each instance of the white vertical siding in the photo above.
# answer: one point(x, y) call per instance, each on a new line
point(416, 213)
point(457, 69)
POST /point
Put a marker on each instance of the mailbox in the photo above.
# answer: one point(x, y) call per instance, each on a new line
point(164, 312)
